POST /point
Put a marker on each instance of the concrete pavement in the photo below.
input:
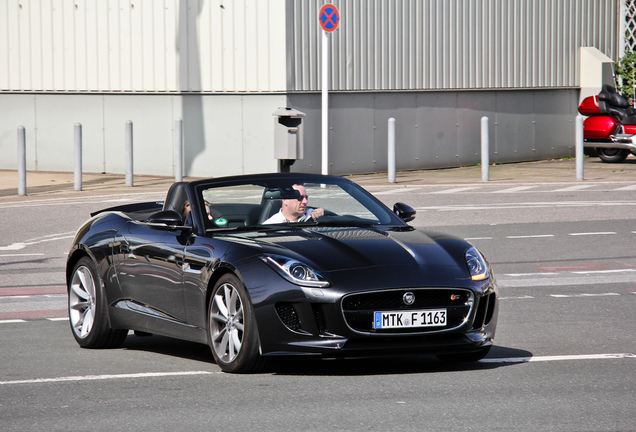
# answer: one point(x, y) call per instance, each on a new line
point(61, 184)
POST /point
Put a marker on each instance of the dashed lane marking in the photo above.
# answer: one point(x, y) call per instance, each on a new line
point(593, 233)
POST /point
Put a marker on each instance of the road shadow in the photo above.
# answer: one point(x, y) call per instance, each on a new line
point(413, 364)
point(168, 346)
point(314, 366)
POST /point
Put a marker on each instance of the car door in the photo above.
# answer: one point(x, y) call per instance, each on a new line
point(149, 269)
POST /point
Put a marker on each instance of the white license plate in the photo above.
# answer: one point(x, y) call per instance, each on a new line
point(409, 319)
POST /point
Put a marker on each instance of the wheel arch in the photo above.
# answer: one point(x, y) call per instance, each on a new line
point(73, 259)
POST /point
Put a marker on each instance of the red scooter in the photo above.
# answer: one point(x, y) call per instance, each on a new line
point(610, 129)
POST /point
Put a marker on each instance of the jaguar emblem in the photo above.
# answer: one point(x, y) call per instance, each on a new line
point(408, 298)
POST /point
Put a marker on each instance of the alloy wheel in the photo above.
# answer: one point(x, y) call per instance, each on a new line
point(81, 302)
point(227, 323)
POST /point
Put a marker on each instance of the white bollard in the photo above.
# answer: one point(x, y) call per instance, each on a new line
point(21, 161)
point(78, 157)
point(485, 150)
point(129, 153)
point(391, 150)
point(579, 147)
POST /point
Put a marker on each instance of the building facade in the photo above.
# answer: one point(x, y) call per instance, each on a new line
point(436, 66)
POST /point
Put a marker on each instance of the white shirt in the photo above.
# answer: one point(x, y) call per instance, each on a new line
point(280, 218)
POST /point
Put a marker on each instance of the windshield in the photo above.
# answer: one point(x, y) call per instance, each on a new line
point(282, 201)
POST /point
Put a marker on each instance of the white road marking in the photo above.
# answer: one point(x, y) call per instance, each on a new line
point(530, 236)
point(531, 274)
point(107, 377)
point(30, 242)
point(58, 319)
point(11, 321)
point(583, 295)
point(514, 189)
point(529, 205)
point(603, 271)
point(574, 188)
point(456, 190)
point(559, 358)
point(592, 233)
point(478, 238)
point(400, 190)
point(626, 188)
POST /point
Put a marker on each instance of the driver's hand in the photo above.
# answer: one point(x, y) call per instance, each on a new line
point(317, 213)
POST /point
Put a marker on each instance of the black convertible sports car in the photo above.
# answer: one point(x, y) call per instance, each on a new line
point(279, 264)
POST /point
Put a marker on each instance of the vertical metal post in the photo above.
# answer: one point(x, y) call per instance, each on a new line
point(391, 150)
point(485, 150)
point(178, 150)
point(78, 157)
point(579, 147)
point(21, 161)
point(129, 153)
point(325, 103)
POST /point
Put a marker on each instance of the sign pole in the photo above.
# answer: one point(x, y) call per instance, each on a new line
point(325, 103)
point(329, 18)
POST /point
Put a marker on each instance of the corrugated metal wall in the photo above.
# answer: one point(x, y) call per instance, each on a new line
point(241, 45)
point(452, 44)
point(142, 45)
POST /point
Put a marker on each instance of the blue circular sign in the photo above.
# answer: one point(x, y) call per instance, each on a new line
point(329, 17)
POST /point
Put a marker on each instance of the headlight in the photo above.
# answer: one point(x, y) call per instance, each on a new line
point(295, 271)
point(476, 265)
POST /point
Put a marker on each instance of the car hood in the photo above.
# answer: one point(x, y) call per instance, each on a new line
point(333, 249)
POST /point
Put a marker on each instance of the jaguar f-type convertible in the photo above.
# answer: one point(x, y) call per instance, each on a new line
point(227, 262)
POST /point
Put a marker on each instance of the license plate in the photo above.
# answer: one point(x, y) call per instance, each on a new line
point(409, 319)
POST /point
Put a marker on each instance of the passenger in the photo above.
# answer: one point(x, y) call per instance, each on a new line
point(186, 217)
point(296, 210)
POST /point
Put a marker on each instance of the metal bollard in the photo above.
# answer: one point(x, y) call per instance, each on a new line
point(391, 150)
point(129, 153)
point(78, 157)
point(21, 161)
point(579, 147)
point(485, 150)
point(178, 150)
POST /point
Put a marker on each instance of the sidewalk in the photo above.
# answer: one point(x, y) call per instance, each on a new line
point(60, 184)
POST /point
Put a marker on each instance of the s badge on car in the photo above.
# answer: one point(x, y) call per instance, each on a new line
point(408, 298)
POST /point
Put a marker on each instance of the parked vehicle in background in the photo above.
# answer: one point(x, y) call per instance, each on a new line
point(609, 131)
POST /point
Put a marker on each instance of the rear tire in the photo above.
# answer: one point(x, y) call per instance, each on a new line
point(88, 309)
point(232, 331)
point(612, 155)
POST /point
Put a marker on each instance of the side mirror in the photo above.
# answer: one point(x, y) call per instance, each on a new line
point(404, 212)
point(169, 220)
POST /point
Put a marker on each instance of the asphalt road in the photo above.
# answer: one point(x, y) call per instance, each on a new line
point(564, 360)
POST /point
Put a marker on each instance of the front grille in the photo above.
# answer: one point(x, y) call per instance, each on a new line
point(358, 309)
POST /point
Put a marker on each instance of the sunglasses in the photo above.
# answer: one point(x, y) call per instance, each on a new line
point(302, 197)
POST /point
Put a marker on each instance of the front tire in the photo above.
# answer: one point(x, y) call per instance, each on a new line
point(232, 332)
point(88, 309)
point(612, 155)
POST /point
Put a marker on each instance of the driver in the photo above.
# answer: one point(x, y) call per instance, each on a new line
point(296, 210)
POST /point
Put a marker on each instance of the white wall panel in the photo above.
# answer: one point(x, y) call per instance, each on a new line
point(143, 45)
